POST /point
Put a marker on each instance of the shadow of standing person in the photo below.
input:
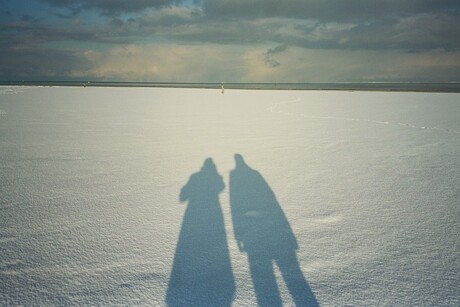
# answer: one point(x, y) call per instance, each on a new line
point(202, 273)
point(263, 232)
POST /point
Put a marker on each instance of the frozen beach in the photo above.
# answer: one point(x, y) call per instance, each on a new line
point(181, 197)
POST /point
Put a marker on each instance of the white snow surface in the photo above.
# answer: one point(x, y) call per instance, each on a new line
point(363, 187)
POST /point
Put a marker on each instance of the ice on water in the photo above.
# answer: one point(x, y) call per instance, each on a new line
point(353, 197)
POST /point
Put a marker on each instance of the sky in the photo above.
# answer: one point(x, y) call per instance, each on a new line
point(230, 40)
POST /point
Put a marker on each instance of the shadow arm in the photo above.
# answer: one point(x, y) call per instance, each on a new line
point(185, 192)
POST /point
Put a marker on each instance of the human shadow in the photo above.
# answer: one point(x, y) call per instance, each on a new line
point(263, 232)
point(202, 273)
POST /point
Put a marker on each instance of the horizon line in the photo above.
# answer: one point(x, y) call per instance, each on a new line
point(401, 86)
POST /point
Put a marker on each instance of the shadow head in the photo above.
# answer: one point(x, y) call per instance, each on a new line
point(239, 160)
point(208, 165)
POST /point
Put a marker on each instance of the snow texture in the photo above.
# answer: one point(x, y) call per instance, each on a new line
point(181, 197)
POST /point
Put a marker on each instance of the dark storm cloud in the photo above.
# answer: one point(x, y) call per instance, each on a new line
point(170, 17)
point(352, 24)
point(345, 30)
point(35, 64)
point(333, 10)
point(336, 24)
point(5, 13)
point(109, 7)
point(21, 34)
point(414, 32)
point(418, 32)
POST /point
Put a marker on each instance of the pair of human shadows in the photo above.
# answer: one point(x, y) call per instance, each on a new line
point(202, 273)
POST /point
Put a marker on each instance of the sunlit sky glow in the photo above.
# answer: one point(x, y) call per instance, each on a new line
point(230, 40)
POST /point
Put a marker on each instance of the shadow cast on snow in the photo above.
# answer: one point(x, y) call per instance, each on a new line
point(202, 273)
point(263, 232)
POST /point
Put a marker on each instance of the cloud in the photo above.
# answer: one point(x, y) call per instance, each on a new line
point(414, 32)
point(33, 34)
point(428, 31)
point(229, 63)
point(238, 40)
point(269, 60)
point(327, 65)
point(170, 16)
point(165, 62)
point(332, 10)
point(213, 63)
point(109, 7)
point(38, 64)
point(404, 30)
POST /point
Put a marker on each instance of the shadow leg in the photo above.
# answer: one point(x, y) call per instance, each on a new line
point(295, 281)
point(263, 278)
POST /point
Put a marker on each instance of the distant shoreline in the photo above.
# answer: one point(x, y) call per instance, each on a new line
point(441, 87)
